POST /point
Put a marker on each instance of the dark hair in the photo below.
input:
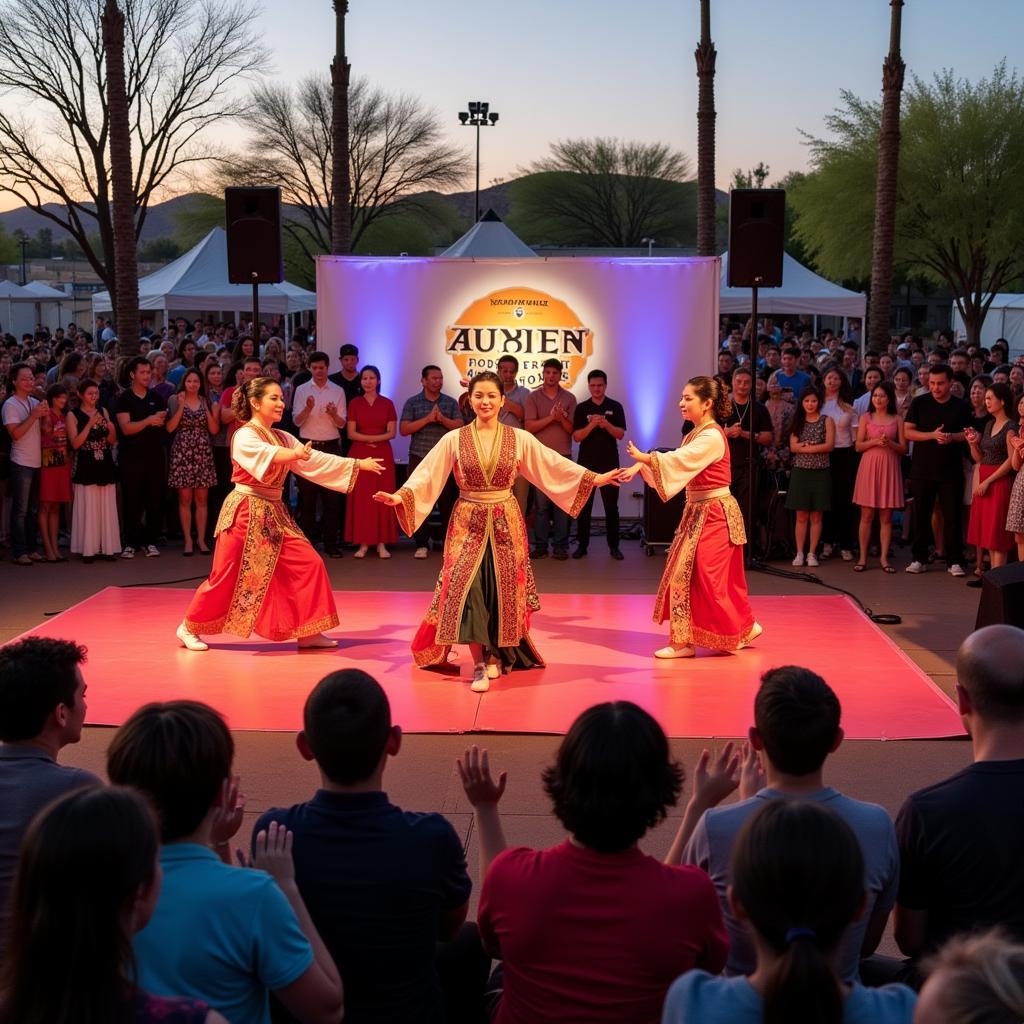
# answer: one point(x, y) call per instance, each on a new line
point(613, 776)
point(906, 370)
point(743, 370)
point(509, 359)
point(940, 370)
point(192, 372)
point(318, 357)
point(347, 720)
point(85, 384)
point(55, 391)
point(553, 364)
point(798, 873)
point(133, 364)
point(428, 368)
point(1002, 391)
point(178, 753)
point(70, 363)
point(711, 389)
point(597, 375)
point(36, 674)
point(797, 716)
point(790, 350)
point(373, 369)
point(82, 863)
point(246, 360)
point(348, 350)
point(890, 396)
point(490, 377)
point(993, 683)
point(241, 400)
point(16, 369)
point(186, 340)
point(845, 390)
point(800, 413)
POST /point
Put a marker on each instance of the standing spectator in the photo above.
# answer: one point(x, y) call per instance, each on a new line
point(839, 530)
point(746, 410)
point(223, 934)
point(1015, 512)
point(87, 879)
point(902, 378)
point(862, 403)
point(249, 370)
point(348, 379)
point(599, 424)
point(513, 414)
point(141, 415)
point(811, 436)
point(781, 413)
point(94, 526)
point(798, 885)
point(935, 424)
point(192, 420)
point(962, 840)
point(426, 418)
point(213, 375)
point(549, 415)
point(792, 380)
point(160, 384)
point(42, 710)
point(21, 415)
point(319, 411)
point(879, 485)
point(55, 472)
point(372, 420)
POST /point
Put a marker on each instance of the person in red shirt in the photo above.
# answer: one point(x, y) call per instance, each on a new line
point(594, 930)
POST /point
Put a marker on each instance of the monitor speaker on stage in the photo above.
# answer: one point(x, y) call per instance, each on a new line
point(1002, 597)
point(757, 221)
point(254, 234)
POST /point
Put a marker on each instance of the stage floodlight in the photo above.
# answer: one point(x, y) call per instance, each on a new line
point(463, 116)
point(484, 107)
point(493, 117)
point(474, 108)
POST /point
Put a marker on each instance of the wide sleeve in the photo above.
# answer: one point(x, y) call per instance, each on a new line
point(335, 472)
point(566, 483)
point(670, 472)
point(421, 490)
point(252, 453)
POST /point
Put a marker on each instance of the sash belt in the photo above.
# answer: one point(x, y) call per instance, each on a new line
point(269, 493)
point(694, 497)
point(486, 497)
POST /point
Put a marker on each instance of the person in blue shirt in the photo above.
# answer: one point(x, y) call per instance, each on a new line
point(791, 379)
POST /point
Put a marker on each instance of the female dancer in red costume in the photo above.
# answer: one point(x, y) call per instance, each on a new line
point(266, 577)
point(703, 591)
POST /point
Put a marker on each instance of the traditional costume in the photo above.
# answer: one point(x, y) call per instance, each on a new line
point(486, 592)
point(266, 577)
point(703, 591)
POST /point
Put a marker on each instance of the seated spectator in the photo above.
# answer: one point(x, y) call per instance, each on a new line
point(42, 708)
point(87, 879)
point(226, 935)
point(976, 979)
point(797, 885)
point(382, 884)
point(961, 840)
point(593, 929)
point(796, 726)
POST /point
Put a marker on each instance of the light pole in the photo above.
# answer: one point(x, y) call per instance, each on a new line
point(23, 242)
point(649, 242)
point(478, 116)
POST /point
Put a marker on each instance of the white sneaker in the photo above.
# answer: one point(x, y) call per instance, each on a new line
point(799, 560)
point(190, 640)
point(812, 560)
point(956, 570)
point(152, 551)
point(480, 683)
point(916, 567)
point(847, 556)
point(421, 553)
point(128, 552)
point(670, 652)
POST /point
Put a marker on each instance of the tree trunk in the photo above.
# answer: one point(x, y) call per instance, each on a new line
point(705, 55)
point(126, 271)
point(341, 189)
point(885, 188)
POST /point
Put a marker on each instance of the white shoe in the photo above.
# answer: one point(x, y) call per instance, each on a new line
point(319, 642)
point(152, 551)
point(382, 551)
point(847, 556)
point(916, 567)
point(812, 560)
point(956, 570)
point(421, 553)
point(493, 670)
point(361, 553)
point(128, 551)
point(675, 652)
point(189, 640)
point(480, 684)
point(755, 631)
point(799, 560)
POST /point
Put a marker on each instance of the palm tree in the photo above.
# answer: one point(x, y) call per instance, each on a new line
point(341, 214)
point(885, 187)
point(705, 55)
point(125, 290)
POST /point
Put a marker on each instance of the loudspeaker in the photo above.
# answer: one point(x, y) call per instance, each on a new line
point(757, 220)
point(660, 518)
point(1002, 597)
point(254, 234)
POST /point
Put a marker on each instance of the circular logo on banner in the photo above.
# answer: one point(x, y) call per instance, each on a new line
point(522, 322)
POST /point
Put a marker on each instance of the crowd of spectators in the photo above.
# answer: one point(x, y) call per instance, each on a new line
point(142, 901)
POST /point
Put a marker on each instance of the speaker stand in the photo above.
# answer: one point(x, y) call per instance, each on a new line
point(751, 404)
point(256, 312)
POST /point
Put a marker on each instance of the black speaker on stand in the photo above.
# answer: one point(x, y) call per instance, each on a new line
point(253, 224)
point(1002, 597)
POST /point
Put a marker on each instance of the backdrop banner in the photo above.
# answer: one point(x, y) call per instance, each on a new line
point(648, 323)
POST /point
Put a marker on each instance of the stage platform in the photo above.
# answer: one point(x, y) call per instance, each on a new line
point(597, 647)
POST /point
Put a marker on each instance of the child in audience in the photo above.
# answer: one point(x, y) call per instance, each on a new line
point(798, 883)
point(88, 877)
point(811, 437)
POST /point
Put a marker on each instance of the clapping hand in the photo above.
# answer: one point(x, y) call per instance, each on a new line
point(475, 773)
point(41, 409)
point(310, 402)
point(228, 814)
point(971, 435)
point(752, 777)
point(272, 852)
point(712, 783)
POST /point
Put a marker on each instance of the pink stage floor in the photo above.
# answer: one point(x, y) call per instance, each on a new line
point(597, 646)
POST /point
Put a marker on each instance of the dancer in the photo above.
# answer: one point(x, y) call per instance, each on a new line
point(703, 591)
point(486, 591)
point(266, 577)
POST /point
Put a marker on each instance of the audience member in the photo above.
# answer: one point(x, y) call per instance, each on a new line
point(22, 413)
point(745, 411)
point(347, 378)
point(792, 380)
point(513, 414)
point(811, 437)
point(55, 470)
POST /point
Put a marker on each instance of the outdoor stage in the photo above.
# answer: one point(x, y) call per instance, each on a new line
point(597, 646)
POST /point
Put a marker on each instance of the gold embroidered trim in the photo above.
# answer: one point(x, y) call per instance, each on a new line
point(263, 541)
point(659, 485)
point(675, 582)
point(406, 512)
point(354, 477)
point(734, 519)
point(586, 488)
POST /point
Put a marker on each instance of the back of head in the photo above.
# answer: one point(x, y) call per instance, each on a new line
point(613, 777)
point(83, 862)
point(990, 669)
point(178, 754)
point(798, 876)
point(797, 716)
point(347, 720)
point(36, 674)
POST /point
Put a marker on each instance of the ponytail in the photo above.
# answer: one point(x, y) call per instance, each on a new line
point(247, 392)
point(713, 389)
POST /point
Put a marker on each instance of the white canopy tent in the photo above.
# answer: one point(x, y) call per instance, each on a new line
point(20, 317)
point(489, 237)
point(1005, 319)
point(49, 303)
point(197, 282)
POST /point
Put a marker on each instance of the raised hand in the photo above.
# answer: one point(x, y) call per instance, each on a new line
point(752, 777)
point(273, 853)
point(475, 772)
point(228, 814)
point(310, 402)
point(385, 498)
point(375, 466)
point(713, 782)
point(635, 453)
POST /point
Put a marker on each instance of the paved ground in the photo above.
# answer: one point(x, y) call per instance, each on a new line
point(937, 612)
